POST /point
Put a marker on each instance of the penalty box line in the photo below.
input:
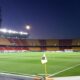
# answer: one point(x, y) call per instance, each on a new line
point(64, 70)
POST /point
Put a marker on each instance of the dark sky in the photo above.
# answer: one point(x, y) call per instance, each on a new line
point(48, 18)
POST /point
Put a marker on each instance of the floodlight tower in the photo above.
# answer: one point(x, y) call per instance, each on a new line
point(0, 17)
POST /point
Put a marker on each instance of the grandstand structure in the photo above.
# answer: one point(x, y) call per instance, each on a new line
point(20, 44)
point(18, 41)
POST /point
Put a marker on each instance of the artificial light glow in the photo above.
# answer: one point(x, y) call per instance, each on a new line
point(3, 30)
point(21, 32)
point(13, 32)
point(28, 27)
point(10, 31)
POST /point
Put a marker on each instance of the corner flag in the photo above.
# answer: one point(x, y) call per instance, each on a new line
point(43, 59)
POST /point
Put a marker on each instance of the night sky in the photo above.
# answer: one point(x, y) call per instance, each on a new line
point(57, 19)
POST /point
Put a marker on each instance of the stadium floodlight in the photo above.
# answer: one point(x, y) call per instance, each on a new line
point(21, 33)
point(28, 27)
point(15, 32)
point(9, 31)
point(4, 30)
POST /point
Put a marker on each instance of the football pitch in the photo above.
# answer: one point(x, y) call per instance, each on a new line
point(29, 63)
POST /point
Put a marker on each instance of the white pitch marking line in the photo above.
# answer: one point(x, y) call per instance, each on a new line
point(35, 75)
point(9, 74)
point(64, 70)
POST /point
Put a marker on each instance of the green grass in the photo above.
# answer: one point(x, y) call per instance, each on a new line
point(30, 63)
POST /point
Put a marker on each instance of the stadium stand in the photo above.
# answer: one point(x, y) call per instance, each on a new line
point(2, 48)
point(34, 49)
point(76, 48)
point(4, 41)
point(52, 42)
point(52, 45)
point(65, 44)
point(18, 43)
point(43, 45)
point(24, 42)
point(76, 44)
point(33, 42)
point(52, 48)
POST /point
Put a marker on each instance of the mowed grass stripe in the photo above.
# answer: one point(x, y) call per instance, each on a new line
point(30, 62)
